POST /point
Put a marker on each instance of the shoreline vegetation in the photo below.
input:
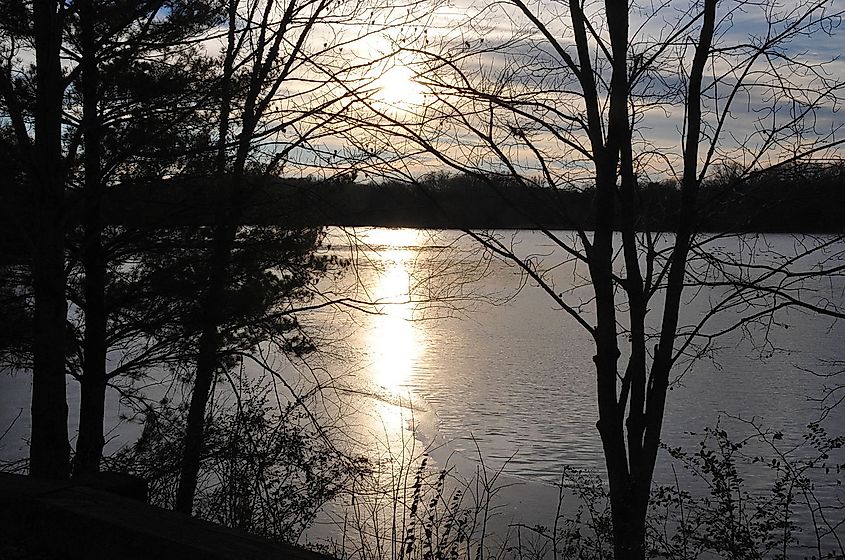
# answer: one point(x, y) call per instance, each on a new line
point(432, 512)
point(796, 199)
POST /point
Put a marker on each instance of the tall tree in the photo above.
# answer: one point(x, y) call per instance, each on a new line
point(126, 71)
point(571, 99)
point(132, 91)
point(49, 449)
point(49, 444)
point(89, 446)
point(264, 50)
point(280, 108)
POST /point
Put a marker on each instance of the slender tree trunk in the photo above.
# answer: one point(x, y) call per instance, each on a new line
point(631, 475)
point(89, 447)
point(265, 54)
point(663, 360)
point(49, 452)
point(626, 479)
point(628, 527)
point(222, 243)
point(207, 362)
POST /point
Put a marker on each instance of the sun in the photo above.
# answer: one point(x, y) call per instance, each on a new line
point(398, 88)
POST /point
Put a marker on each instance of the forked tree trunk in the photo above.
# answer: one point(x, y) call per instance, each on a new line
point(630, 461)
point(49, 451)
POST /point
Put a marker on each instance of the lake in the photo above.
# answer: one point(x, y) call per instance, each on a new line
point(437, 346)
point(468, 356)
point(491, 358)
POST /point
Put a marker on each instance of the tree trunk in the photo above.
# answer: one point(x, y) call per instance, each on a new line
point(222, 242)
point(628, 531)
point(89, 447)
point(228, 216)
point(207, 362)
point(49, 451)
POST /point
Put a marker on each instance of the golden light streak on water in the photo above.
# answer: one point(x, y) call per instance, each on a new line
point(392, 239)
point(395, 346)
point(396, 342)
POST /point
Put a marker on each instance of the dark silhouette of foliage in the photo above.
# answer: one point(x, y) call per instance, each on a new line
point(264, 469)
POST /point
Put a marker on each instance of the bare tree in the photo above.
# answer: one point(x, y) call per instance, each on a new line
point(580, 95)
point(277, 114)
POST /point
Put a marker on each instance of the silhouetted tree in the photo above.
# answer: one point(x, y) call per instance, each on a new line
point(571, 96)
point(272, 48)
point(132, 90)
point(36, 97)
point(121, 49)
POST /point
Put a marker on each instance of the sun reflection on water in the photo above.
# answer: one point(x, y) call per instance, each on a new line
point(393, 419)
point(396, 342)
point(401, 238)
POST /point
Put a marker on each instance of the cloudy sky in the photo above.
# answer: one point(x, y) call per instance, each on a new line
point(484, 86)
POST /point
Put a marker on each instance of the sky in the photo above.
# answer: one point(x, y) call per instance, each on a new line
point(501, 53)
point(417, 74)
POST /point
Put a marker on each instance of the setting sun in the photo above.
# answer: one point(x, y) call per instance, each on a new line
point(398, 88)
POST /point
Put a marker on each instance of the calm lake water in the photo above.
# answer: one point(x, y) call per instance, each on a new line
point(440, 347)
point(476, 356)
point(467, 356)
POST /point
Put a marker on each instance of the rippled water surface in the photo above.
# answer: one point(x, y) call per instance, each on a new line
point(445, 348)
point(502, 367)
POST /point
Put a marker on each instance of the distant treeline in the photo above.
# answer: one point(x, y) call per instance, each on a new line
point(798, 198)
point(805, 198)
